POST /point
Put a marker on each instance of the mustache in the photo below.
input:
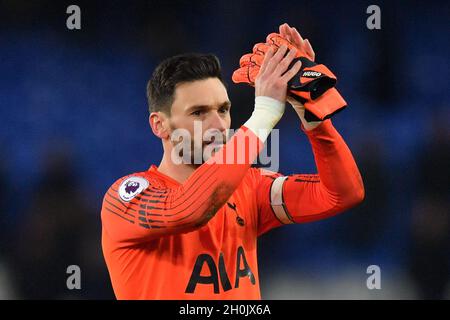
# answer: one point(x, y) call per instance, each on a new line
point(213, 141)
point(208, 137)
point(196, 149)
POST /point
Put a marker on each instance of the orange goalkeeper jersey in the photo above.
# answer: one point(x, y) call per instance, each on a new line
point(198, 240)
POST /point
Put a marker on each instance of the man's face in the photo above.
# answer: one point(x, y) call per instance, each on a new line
point(202, 109)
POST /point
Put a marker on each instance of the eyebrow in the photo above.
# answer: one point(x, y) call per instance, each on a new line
point(204, 106)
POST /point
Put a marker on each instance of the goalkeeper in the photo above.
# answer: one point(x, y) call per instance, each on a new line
point(188, 230)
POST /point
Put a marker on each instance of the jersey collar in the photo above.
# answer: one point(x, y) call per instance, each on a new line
point(154, 169)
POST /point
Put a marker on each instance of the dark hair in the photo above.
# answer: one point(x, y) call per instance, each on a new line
point(175, 70)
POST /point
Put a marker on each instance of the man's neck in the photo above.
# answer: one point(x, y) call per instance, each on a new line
point(178, 172)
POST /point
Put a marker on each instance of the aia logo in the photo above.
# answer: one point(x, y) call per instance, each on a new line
point(219, 271)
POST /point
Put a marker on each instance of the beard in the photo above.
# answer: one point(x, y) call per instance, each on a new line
point(194, 150)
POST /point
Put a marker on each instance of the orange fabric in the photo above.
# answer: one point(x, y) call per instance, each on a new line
point(158, 211)
point(217, 260)
point(326, 105)
point(336, 187)
point(246, 74)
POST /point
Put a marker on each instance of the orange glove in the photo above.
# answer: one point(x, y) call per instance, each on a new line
point(312, 80)
point(324, 107)
point(276, 41)
point(313, 86)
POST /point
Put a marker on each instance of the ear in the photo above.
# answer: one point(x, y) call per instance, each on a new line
point(157, 121)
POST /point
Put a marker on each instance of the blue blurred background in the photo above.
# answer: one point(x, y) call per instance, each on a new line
point(74, 118)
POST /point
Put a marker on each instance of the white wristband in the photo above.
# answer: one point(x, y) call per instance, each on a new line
point(268, 111)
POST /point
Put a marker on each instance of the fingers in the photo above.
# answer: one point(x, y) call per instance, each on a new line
point(281, 30)
point(267, 57)
point(283, 65)
point(285, 32)
point(309, 50)
point(296, 36)
point(292, 71)
point(291, 34)
point(275, 60)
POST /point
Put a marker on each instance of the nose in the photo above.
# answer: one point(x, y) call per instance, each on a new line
point(217, 122)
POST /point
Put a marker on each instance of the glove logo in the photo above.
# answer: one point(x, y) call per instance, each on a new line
point(311, 74)
point(131, 187)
